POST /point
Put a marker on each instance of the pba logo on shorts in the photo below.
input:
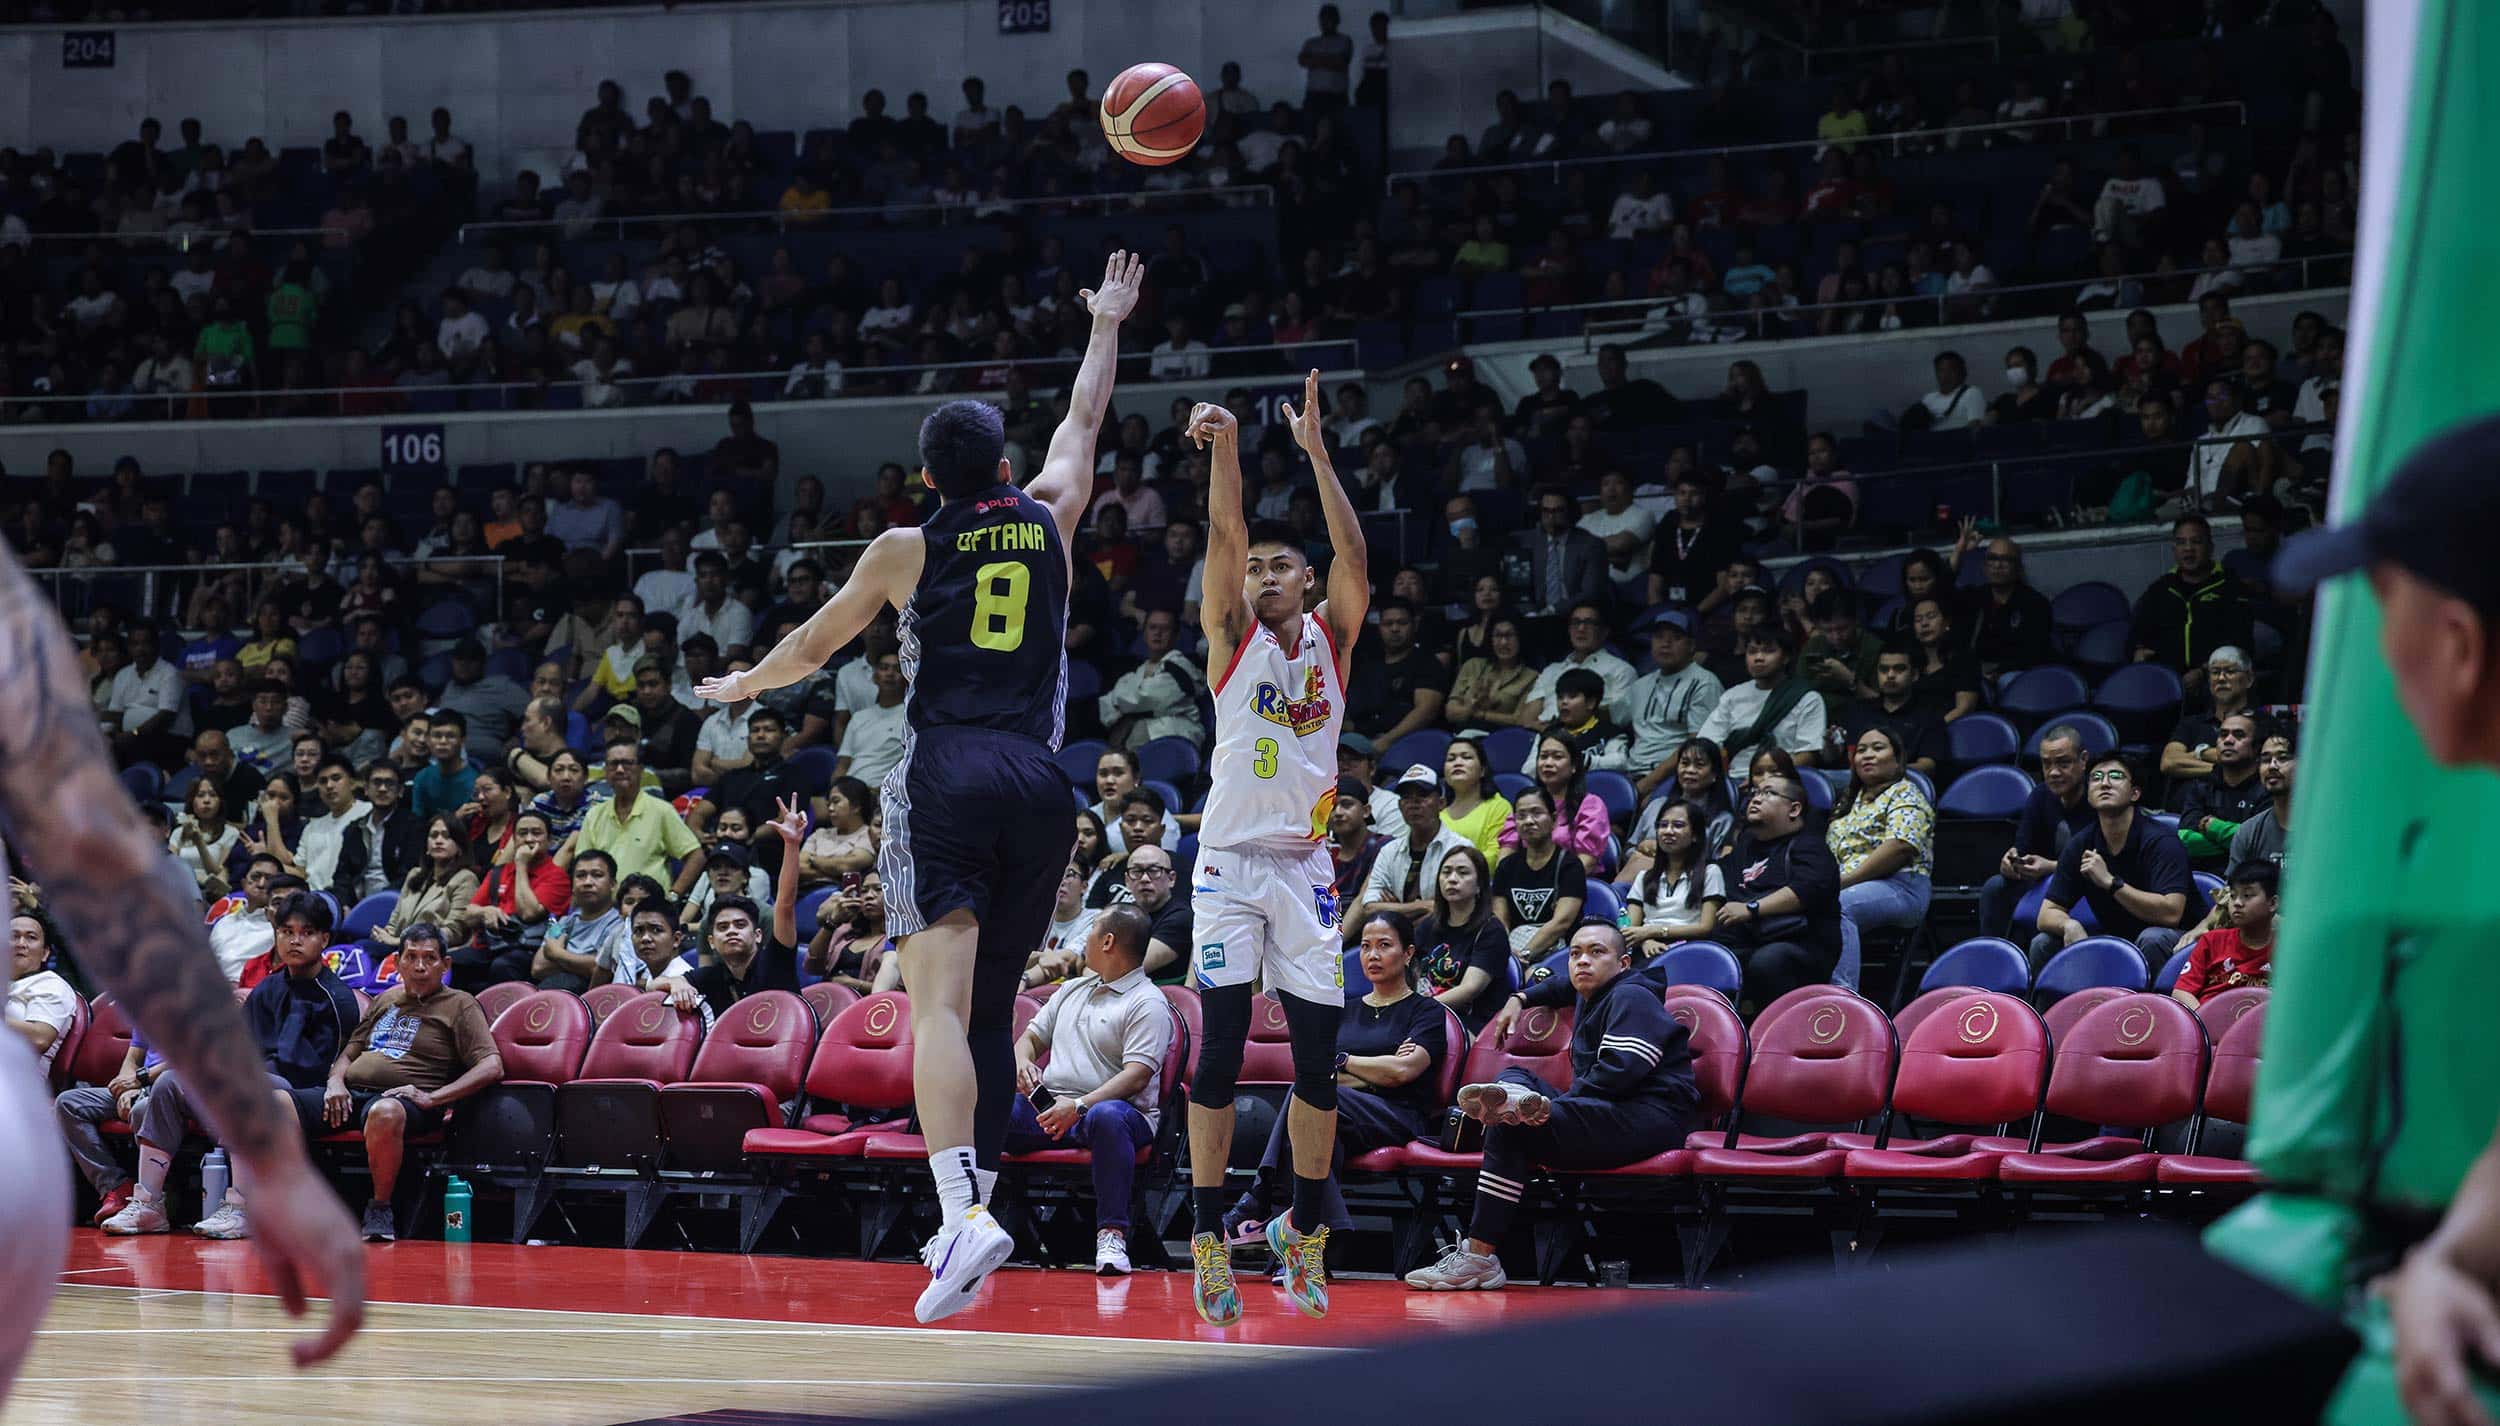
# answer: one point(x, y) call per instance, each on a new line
point(1325, 899)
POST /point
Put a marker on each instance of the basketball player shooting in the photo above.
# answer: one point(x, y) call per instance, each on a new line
point(133, 916)
point(1262, 904)
point(975, 816)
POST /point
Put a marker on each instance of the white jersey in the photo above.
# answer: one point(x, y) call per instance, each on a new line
point(1278, 711)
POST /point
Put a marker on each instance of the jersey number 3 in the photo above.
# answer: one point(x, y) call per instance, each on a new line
point(1265, 763)
point(999, 594)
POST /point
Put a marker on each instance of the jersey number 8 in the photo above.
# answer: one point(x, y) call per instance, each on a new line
point(999, 594)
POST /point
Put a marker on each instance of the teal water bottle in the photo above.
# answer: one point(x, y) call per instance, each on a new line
point(456, 1210)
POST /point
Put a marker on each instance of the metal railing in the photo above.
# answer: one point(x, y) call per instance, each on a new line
point(1651, 315)
point(1267, 361)
point(183, 242)
point(1895, 143)
point(1249, 195)
point(177, 591)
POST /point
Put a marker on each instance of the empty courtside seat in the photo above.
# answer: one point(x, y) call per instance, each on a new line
point(1979, 1061)
point(511, 1126)
point(2133, 1063)
point(602, 1000)
point(863, 1062)
point(496, 999)
point(609, 1116)
point(1719, 1044)
point(1827, 1060)
point(100, 1051)
point(828, 1000)
point(2230, 1089)
point(1540, 1043)
point(2225, 1009)
point(2062, 1016)
point(751, 1064)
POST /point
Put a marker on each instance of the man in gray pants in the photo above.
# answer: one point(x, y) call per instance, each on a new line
point(301, 1017)
point(83, 1110)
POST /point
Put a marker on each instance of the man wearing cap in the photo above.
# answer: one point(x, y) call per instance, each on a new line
point(1404, 869)
point(640, 831)
point(1672, 700)
point(2425, 542)
point(490, 702)
point(2194, 609)
point(1358, 757)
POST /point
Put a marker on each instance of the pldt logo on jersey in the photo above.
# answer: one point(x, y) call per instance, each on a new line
point(1305, 715)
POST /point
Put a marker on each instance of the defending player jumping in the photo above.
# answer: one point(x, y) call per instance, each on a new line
point(1264, 910)
point(976, 819)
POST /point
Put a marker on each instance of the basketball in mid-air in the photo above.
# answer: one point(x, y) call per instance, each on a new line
point(1153, 114)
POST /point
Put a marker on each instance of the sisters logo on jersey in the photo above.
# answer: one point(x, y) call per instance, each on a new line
point(1305, 715)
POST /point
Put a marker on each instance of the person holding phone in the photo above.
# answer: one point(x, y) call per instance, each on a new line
point(1104, 1035)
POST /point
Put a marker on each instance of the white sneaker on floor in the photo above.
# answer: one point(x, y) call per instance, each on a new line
point(1111, 1253)
point(1458, 1271)
point(141, 1215)
point(225, 1224)
point(964, 1251)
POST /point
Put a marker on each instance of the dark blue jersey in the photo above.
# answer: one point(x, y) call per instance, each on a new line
point(984, 638)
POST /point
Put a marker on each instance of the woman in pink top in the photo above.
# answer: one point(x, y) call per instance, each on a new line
point(1581, 825)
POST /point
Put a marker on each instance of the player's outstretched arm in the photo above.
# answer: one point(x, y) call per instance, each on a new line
point(132, 915)
point(1066, 481)
point(1349, 571)
point(1221, 612)
point(887, 571)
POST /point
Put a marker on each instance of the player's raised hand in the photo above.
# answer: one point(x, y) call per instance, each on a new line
point(1210, 422)
point(728, 688)
point(1307, 431)
point(1123, 277)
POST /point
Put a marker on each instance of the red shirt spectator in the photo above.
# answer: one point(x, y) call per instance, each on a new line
point(2222, 961)
point(550, 883)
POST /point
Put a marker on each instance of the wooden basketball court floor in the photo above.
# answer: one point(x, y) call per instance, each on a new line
point(149, 1331)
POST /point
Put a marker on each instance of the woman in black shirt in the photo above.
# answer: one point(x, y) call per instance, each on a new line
point(1460, 948)
point(1539, 888)
point(1389, 1048)
point(1948, 676)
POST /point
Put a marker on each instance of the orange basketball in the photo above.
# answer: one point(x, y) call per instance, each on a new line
point(1153, 115)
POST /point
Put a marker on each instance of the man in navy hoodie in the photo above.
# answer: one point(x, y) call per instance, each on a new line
point(1631, 1096)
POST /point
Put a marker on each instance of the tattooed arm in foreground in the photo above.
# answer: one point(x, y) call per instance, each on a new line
point(133, 918)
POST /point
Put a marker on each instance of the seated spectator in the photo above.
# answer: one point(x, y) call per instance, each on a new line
point(2233, 460)
point(1775, 709)
point(1700, 778)
point(2265, 837)
point(1586, 630)
point(1351, 844)
point(1948, 675)
point(2125, 212)
point(642, 832)
point(845, 840)
point(421, 1047)
point(1632, 1095)
point(1560, 766)
point(656, 958)
point(1897, 705)
point(1159, 697)
point(1953, 405)
point(1402, 872)
point(747, 955)
point(2212, 809)
point(585, 935)
point(239, 929)
point(1882, 835)
point(41, 1005)
point(2189, 755)
point(301, 1019)
point(1839, 661)
point(203, 840)
point(1106, 1034)
point(264, 742)
point(2054, 813)
point(872, 743)
point(1389, 1046)
point(1157, 890)
point(508, 917)
point(1461, 949)
point(2008, 621)
point(2241, 953)
point(438, 890)
point(1540, 886)
point(853, 946)
point(1783, 916)
point(1679, 896)
point(447, 783)
point(2194, 609)
point(1476, 810)
point(2132, 875)
point(1491, 690)
point(2026, 397)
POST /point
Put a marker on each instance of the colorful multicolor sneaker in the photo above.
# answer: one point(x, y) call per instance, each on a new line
point(1218, 1300)
point(1304, 1257)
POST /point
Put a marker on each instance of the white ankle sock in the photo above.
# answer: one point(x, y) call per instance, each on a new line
point(154, 1164)
point(983, 1181)
point(959, 1183)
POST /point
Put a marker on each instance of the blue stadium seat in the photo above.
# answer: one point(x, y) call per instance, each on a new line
point(1982, 738)
point(1994, 791)
point(1078, 759)
point(2099, 734)
point(2094, 960)
point(1985, 963)
point(2168, 975)
point(1171, 760)
point(1616, 791)
point(1702, 963)
point(2036, 692)
point(1424, 745)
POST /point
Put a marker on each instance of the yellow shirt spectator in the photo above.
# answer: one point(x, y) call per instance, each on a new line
point(643, 835)
point(1841, 131)
point(804, 198)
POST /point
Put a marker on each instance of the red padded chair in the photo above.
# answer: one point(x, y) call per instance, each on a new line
point(101, 1050)
point(608, 1117)
point(751, 1063)
point(1910, 1016)
point(1025, 1013)
point(1719, 1045)
point(1539, 1043)
point(2136, 1063)
point(1981, 1060)
point(1777, 1008)
point(602, 1001)
point(863, 1061)
point(506, 1133)
point(1040, 994)
point(1825, 1060)
point(1192, 1013)
point(828, 1000)
point(1268, 1057)
point(2062, 1016)
point(2224, 1009)
point(498, 998)
point(2230, 1089)
point(73, 1039)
